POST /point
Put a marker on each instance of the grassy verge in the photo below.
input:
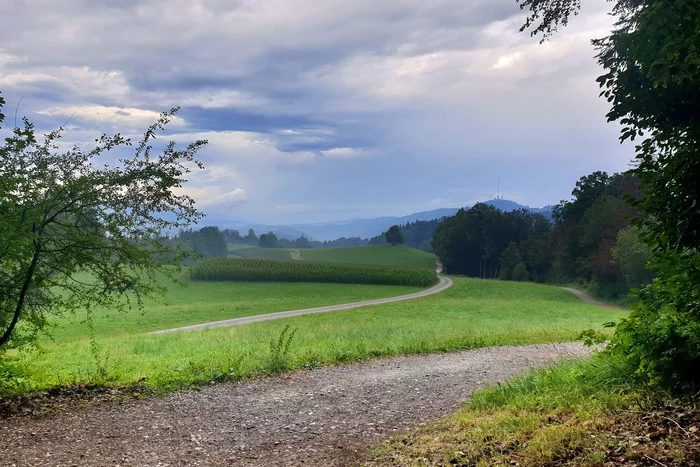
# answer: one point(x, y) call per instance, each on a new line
point(578, 413)
point(473, 313)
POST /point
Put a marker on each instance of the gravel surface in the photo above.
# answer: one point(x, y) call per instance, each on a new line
point(330, 416)
point(588, 299)
point(444, 284)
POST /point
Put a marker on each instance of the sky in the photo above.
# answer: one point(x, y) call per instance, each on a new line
point(321, 110)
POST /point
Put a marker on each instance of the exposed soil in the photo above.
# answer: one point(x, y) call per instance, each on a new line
point(330, 416)
point(665, 436)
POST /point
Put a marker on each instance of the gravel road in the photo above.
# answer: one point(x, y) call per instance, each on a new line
point(588, 299)
point(444, 284)
point(330, 416)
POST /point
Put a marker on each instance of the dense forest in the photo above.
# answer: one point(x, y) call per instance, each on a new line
point(592, 239)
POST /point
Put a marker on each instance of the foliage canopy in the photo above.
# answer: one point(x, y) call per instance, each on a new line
point(652, 81)
point(75, 233)
point(394, 235)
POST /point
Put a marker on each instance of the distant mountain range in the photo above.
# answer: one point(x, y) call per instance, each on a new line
point(364, 228)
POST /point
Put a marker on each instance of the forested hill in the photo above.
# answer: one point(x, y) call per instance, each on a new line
point(362, 228)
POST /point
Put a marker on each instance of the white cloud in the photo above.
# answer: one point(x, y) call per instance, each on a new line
point(345, 153)
point(230, 198)
point(123, 117)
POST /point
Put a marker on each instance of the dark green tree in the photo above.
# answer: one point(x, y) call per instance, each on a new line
point(232, 236)
point(510, 258)
point(302, 242)
point(75, 234)
point(207, 242)
point(268, 240)
point(251, 238)
point(394, 235)
point(471, 241)
point(631, 256)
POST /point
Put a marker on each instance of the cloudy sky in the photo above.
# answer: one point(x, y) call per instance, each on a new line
point(321, 110)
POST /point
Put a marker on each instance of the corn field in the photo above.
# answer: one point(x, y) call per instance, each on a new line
point(258, 270)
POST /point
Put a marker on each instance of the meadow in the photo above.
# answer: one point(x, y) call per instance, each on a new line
point(473, 313)
point(200, 302)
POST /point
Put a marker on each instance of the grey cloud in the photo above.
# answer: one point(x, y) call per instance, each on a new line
point(410, 80)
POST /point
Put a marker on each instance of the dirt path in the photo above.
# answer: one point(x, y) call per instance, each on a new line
point(324, 417)
point(444, 284)
point(588, 299)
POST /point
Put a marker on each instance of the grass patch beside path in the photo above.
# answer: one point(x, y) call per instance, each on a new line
point(473, 313)
point(202, 302)
point(576, 413)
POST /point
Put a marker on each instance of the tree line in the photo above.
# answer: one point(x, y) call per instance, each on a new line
point(592, 239)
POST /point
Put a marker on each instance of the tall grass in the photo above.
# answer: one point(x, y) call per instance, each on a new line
point(546, 417)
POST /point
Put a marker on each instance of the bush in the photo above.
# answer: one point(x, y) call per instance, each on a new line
point(661, 337)
point(520, 273)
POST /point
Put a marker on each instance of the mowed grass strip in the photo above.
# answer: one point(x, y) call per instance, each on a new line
point(239, 269)
point(473, 313)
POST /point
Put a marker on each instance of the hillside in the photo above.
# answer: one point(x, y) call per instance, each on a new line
point(382, 255)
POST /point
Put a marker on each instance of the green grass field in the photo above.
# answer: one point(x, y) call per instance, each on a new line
point(255, 252)
point(200, 302)
point(381, 255)
point(384, 255)
point(472, 313)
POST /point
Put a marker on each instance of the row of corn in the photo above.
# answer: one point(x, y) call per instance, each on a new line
point(260, 270)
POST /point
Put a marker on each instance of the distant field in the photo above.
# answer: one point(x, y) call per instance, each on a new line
point(261, 270)
point(255, 252)
point(381, 255)
point(473, 313)
point(384, 255)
